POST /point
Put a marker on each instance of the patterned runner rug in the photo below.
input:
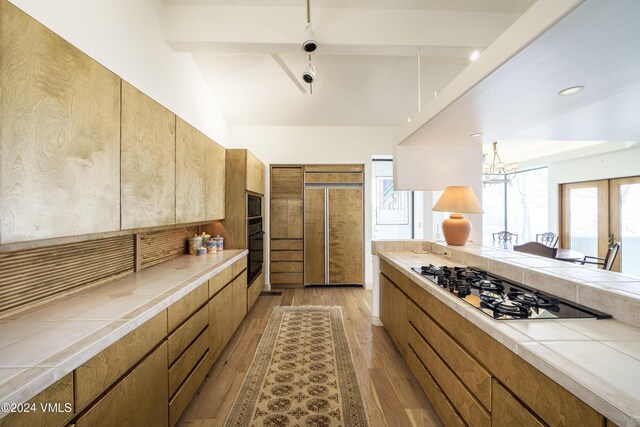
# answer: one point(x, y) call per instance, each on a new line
point(302, 374)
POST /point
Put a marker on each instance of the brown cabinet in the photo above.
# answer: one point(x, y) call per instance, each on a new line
point(470, 378)
point(287, 225)
point(255, 174)
point(244, 172)
point(253, 292)
point(139, 399)
point(334, 235)
point(148, 161)
point(200, 176)
point(228, 304)
point(239, 299)
point(60, 121)
point(221, 321)
point(101, 371)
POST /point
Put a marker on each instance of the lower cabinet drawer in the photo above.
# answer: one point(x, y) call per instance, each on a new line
point(508, 412)
point(219, 281)
point(287, 267)
point(185, 393)
point(98, 373)
point(185, 334)
point(286, 278)
point(471, 373)
point(59, 394)
point(179, 311)
point(286, 244)
point(467, 406)
point(239, 266)
point(287, 256)
point(139, 399)
point(185, 363)
point(443, 407)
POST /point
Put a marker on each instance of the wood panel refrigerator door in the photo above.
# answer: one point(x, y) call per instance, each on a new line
point(314, 236)
point(345, 236)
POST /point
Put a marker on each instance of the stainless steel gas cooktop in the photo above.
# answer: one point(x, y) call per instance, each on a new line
point(503, 299)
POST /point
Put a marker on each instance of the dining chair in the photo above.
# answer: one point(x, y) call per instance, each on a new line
point(505, 236)
point(550, 239)
point(605, 263)
point(536, 248)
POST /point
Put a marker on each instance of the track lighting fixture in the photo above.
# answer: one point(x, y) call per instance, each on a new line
point(309, 76)
point(310, 44)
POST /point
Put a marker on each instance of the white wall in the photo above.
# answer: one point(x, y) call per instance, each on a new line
point(319, 144)
point(126, 37)
point(602, 166)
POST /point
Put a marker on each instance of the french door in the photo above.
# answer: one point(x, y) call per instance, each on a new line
point(596, 214)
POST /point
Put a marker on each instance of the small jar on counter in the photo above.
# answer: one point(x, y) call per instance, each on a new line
point(212, 246)
point(220, 241)
point(194, 243)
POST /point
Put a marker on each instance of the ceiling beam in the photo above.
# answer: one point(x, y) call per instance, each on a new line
point(340, 31)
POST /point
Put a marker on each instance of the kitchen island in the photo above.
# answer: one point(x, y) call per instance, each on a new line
point(541, 365)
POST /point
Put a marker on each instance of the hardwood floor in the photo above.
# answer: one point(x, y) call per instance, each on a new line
point(392, 396)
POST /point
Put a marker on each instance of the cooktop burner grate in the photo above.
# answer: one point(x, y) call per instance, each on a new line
point(488, 293)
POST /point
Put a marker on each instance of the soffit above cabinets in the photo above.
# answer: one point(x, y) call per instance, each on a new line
point(596, 45)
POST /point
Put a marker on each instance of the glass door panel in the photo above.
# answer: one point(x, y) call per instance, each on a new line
point(625, 223)
point(583, 226)
point(585, 217)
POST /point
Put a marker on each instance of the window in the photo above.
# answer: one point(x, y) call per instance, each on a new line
point(520, 207)
point(393, 215)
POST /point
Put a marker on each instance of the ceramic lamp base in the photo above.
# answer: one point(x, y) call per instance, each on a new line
point(456, 229)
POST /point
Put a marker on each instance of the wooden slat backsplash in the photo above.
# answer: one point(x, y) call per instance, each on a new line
point(34, 275)
point(162, 246)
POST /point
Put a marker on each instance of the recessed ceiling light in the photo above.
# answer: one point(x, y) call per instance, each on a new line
point(408, 119)
point(570, 90)
point(475, 135)
point(475, 55)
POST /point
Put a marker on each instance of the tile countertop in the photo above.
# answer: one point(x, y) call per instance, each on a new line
point(41, 345)
point(597, 360)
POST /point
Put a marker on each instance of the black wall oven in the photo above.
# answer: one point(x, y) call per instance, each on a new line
point(255, 237)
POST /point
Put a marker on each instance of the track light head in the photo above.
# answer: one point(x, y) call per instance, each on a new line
point(310, 44)
point(309, 76)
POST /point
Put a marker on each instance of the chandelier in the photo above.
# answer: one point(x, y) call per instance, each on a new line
point(498, 172)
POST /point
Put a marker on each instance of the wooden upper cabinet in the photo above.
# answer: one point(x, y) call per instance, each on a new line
point(255, 174)
point(191, 166)
point(60, 135)
point(148, 148)
point(287, 182)
point(215, 181)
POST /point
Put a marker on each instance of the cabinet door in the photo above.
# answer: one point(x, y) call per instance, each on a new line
point(220, 320)
point(255, 174)
point(345, 236)
point(139, 399)
point(148, 157)
point(239, 299)
point(60, 135)
point(215, 185)
point(314, 235)
point(287, 219)
point(190, 173)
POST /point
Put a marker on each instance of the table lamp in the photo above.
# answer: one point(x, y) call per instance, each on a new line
point(457, 200)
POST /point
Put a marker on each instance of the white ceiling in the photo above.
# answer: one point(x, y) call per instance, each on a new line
point(506, 6)
point(367, 68)
point(597, 45)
